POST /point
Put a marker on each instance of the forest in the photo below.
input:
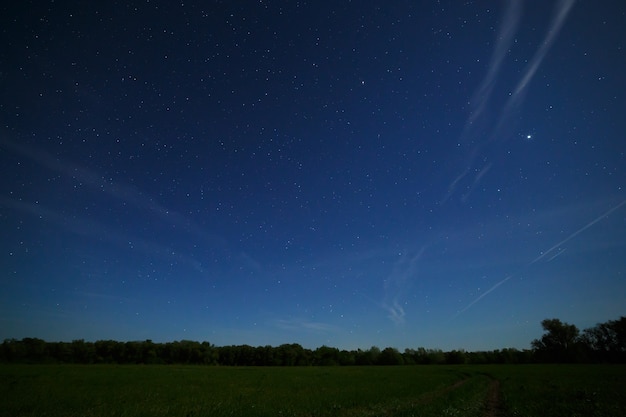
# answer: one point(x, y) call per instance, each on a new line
point(560, 343)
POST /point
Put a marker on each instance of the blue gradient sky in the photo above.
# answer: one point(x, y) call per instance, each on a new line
point(344, 173)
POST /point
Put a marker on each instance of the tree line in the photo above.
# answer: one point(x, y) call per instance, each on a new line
point(561, 342)
point(33, 350)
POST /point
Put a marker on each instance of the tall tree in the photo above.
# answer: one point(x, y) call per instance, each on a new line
point(560, 342)
point(607, 341)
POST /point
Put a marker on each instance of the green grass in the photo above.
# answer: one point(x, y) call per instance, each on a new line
point(562, 390)
point(128, 390)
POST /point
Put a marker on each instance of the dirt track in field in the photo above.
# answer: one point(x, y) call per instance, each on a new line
point(493, 401)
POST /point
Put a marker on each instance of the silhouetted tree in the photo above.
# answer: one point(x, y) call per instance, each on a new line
point(367, 357)
point(265, 356)
point(390, 356)
point(82, 352)
point(34, 350)
point(347, 358)
point(429, 356)
point(455, 357)
point(326, 356)
point(560, 342)
point(606, 342)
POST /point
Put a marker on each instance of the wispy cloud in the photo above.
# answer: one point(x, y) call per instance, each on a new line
point(504, 39)
point(482, 95)
point(562, 9)
point(126, 193)
point(142, 203)
point(475, 162)
point(300, 324)
point(396, 285)
point(395, 310)
point(87, 227)
point(104, 297)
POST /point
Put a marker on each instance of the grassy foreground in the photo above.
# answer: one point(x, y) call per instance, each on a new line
point(491, 390)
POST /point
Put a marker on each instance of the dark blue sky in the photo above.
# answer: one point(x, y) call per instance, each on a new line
point(402, 173)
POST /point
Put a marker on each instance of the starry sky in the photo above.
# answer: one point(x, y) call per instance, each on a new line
point(346, 173)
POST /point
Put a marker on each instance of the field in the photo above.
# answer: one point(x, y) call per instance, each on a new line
point(490, 390)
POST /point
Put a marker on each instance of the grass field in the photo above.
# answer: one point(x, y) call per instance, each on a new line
point(491, 390)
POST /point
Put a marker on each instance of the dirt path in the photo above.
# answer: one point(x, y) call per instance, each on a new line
point(493, 401)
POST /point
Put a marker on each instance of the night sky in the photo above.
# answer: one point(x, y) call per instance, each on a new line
point(346, 173)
